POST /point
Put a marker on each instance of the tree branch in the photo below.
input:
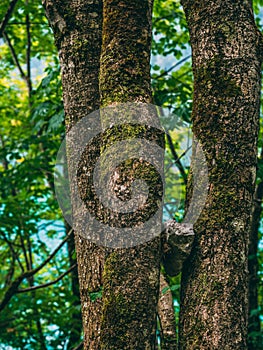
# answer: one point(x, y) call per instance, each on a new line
point(175, 65)
point(169, 211)
point(10, 273)
point(14, 55)
point(14, 253)
point(28, 267)
point(44, 285)
point(15, 284)
point(176, 158)
point(7, 16)
point(53, 254)
point(28, 55)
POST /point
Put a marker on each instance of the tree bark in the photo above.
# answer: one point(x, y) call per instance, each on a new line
point(77, 31)
point(226, 56)
point(131, 275)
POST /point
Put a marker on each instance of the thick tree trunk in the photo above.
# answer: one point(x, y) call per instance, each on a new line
point(131, 276)
point(226, 64)
point(77, 30)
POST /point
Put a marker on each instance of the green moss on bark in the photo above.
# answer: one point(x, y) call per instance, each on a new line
point(226, 67)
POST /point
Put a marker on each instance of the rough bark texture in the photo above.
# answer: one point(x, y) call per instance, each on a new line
point(126, 44)
point(226, 64)
point(255, 341)
point(131, 276)
point(166, 317)
point(77, 30)
point(178, 241)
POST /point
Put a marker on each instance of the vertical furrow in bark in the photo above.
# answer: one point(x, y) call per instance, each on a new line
point(131, 276)
point(77, 30)
point(226, 64)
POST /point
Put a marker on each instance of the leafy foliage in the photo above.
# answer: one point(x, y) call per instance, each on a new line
point(31, 129)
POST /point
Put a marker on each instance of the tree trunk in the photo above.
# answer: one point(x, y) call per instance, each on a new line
point(226, 65)
point(77, 30)
point(131, 275)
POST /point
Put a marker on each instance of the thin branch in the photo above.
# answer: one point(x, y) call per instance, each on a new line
point(181, 156)
point(7, 16)
point(24, 250)
point(14, 253)
point(176, 158)
point(15, 284)
point(27, 247)
point(10, 273)
point(169, 211)
point(11, 291)
point(28, 54)
point(171, 68)
point(44, 285)
point(37, 269)
point(14, 55)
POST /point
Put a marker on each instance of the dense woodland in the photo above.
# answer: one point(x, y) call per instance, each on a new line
point(201, 91)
